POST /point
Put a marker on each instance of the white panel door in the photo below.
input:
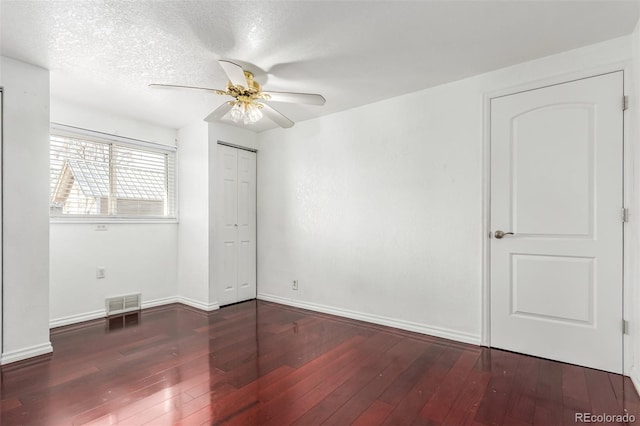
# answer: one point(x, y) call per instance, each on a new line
point(556, 183)
point(246, 225)
point(236, 211)
point(227, 210)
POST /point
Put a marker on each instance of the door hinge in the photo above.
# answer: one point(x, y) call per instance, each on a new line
point(625, 103)
point(625, 327)
point(625, 215)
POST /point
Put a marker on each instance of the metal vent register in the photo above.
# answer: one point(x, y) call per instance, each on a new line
point(120, 304)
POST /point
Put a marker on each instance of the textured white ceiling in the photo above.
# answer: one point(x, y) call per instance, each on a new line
point(104, 53)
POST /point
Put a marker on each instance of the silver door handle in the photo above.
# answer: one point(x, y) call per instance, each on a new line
point(499, 234)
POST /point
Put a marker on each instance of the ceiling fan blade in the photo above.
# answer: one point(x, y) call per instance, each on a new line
point(234, 72)
point(175, 86)
point(219, 112)
point(296, 98)
point(277, 117)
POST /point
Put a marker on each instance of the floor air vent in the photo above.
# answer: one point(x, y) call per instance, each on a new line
point(120, 304)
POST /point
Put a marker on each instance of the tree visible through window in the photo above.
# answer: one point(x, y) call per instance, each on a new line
point(95, 176)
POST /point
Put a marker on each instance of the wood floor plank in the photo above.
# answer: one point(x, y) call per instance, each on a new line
point(575, 395)
point(437, 407)
point(296, 400)
point(494, 404)
point(549, 401)
point(196, 407)
point(408, 409)
point(400, 387)
point(363, 374)
point(9, 404)
point(260, 363)
point(217, 408)
point(522, 399)
point(182, 381)
point(465, 407)
point(306, 378)
point(403, 354)
point(601, 393)
point(345, 353)
point(374, 415)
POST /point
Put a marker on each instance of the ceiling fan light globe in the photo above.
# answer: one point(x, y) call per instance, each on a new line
point(252, 114)
point(237, 113)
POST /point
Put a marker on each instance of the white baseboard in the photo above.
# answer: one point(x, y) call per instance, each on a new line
point(197, 304)
point(74, 319)
point(159, 302)
point(101, 313)
point(25, 353)
point(377, 319)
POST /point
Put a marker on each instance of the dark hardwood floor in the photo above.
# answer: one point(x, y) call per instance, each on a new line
point(262, 363)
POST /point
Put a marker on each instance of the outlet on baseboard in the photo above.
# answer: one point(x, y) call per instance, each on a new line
point(295, 285)
point(100, 272)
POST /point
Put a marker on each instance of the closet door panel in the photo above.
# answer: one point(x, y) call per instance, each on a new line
point(227, 211)
point(246, 225)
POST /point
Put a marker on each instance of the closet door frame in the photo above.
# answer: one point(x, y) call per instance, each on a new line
point(233, 282)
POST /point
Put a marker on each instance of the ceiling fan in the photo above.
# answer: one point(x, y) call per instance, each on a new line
point(248, 102)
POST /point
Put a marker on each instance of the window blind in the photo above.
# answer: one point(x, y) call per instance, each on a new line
point(92, 174)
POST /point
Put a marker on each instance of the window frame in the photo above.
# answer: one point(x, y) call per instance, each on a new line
point(121, 141)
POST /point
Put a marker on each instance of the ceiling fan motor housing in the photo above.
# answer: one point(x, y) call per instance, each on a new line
point(247, 94)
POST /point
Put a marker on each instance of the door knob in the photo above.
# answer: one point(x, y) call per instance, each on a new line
point(500, 234)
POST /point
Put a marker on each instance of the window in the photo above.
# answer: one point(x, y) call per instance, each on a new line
point(93, 175)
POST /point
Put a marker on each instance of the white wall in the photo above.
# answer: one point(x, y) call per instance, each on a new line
point(137, 257)
point(378, 211)
point(25, 210)
point(71, 114)
point(193, 231)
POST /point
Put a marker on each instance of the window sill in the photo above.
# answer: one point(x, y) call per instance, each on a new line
point(110, 220)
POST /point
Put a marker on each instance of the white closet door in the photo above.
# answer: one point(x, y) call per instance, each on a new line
point(236, 233)
point(227, 210)
point(246, 237)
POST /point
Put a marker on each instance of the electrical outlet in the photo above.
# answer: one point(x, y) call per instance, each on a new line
point(101, 227)
point(100, 272)
point(295, 285)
